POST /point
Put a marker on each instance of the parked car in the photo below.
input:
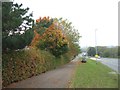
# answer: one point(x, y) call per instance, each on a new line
point(84, 59)
point(99, 57)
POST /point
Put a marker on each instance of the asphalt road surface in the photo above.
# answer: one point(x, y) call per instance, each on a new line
point(110, 62)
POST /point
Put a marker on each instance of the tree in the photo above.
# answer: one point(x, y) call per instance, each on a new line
point(56, 35)
point(18, 41)
point(14, 19)
point(49, 37)
point(105, 51)
point(68, 29)
point(71, 34)
point(91, 51)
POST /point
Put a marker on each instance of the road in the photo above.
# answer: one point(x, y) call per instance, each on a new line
point(57, 78)
point(110, 62)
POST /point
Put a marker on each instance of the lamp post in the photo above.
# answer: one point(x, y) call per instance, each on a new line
point(96, 42)
point(96, 56)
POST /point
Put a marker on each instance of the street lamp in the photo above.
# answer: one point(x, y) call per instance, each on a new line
point(96, 56)
point(96, 42)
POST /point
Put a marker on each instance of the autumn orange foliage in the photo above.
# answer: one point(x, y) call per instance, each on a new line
point(35, 39)
point(51, 33)
point(37, 36)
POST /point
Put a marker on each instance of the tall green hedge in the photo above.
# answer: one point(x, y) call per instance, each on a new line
point(19, 65)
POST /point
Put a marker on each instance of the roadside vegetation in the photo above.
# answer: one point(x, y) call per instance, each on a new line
point(104, 51)
point(92, 75)
point(23, 64)
point(31, 47)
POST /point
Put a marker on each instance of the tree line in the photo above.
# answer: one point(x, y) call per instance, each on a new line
point(105, 51)
point(56, 35)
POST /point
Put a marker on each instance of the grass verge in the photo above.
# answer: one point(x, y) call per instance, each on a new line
point(92, 75)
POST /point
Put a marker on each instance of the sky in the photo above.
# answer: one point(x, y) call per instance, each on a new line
point(85, 15)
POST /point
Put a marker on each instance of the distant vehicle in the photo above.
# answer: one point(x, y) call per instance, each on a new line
point(99, 57)
point(84, 58)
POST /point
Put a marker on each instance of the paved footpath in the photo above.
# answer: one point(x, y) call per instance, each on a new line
point(57, 78)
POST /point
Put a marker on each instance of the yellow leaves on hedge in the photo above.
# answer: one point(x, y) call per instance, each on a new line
point(55, 34)
point(35, 39)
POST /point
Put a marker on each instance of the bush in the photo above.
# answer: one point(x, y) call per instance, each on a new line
point(19, 65)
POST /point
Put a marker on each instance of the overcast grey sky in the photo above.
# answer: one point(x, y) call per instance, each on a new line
point(86, 16)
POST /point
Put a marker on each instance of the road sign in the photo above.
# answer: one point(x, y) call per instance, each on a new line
point(96, 56)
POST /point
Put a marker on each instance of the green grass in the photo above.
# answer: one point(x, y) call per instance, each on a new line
point(92, 75)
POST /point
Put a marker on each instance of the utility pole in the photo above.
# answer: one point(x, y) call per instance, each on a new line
point(96, 56)
point(96, 42)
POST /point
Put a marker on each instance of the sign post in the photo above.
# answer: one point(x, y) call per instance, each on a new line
point(96, 56)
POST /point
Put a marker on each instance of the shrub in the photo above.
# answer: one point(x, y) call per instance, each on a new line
point(20, 65)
